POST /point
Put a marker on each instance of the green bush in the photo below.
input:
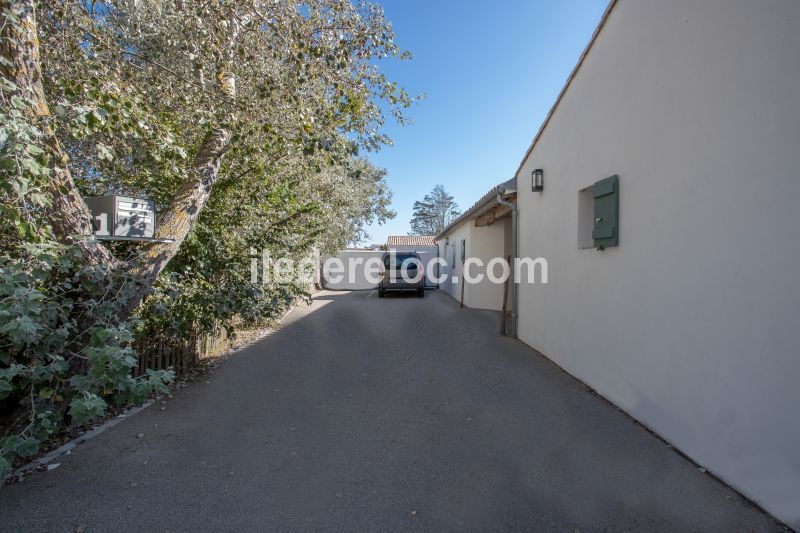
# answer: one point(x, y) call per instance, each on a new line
point(64, 357)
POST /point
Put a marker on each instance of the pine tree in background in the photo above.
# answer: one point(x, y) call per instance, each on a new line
point(434, 212)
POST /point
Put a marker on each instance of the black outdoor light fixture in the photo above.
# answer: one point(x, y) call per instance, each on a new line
point(537, 180)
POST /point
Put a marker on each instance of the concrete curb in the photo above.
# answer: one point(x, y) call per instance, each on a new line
point(70, 445)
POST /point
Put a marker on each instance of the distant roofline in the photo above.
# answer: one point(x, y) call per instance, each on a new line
point(411, 240)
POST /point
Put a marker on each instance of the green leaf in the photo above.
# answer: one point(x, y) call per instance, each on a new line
point(21, 446)
point(5, 467)
point(5, 389)
point(89, 407)
point(19, 103)
point(104, 152)
point(8, 164)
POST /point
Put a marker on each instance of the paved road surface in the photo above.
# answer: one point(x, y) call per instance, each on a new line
point(379, 414)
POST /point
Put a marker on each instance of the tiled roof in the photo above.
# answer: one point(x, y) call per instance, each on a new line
point(411, 240)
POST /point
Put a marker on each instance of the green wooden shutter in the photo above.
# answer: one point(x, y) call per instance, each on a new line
point(606, 212)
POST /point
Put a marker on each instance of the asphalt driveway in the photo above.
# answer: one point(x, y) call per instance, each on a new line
point(373, 414)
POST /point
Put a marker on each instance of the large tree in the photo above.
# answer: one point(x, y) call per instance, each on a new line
point(157, 97)
point(434, 212)
point(247, 123)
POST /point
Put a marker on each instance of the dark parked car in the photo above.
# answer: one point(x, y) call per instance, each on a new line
point(393, 263)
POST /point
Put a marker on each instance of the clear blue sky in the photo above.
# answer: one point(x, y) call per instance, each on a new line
point(491, 72)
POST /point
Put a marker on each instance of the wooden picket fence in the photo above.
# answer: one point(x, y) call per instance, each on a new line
point(159, 352)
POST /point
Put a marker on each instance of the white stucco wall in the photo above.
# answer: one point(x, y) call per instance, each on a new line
point(354, 277)
point(446, 251)
point(691, 324)
point(485, 243)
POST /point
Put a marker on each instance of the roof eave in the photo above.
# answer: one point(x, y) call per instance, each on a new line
point(487, 199)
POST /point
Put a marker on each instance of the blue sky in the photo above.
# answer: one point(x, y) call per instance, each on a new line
point(491, 72)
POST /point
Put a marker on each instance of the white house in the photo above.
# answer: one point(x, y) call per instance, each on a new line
point(484, 231)
point(670, 219)
point(424, 245)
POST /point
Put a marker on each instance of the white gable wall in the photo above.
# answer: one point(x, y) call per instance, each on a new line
point(691, 324)
point(450, 251)
point(354, 276)
point(485, 243)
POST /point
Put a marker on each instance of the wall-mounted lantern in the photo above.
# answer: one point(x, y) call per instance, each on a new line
point(537, 180)
point(122, 218)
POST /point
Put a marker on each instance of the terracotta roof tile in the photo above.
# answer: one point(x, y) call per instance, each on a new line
point(411, 240)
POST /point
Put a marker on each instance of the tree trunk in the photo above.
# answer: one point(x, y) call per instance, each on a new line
point(68, 215)
point(176, 222)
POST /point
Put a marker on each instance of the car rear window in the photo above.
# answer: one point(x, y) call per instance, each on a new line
point(399, 259)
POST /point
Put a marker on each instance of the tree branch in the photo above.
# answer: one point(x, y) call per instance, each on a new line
point(176, 222)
